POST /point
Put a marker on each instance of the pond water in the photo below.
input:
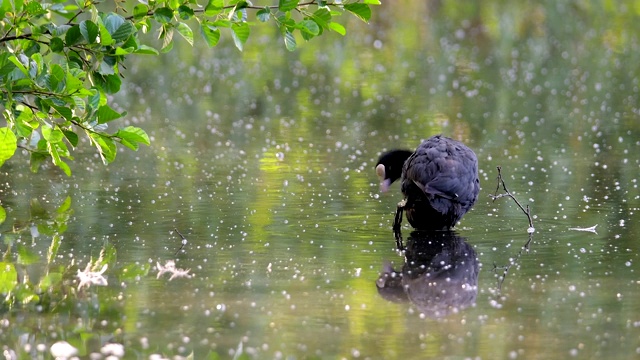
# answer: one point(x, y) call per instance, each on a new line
point(260, 182)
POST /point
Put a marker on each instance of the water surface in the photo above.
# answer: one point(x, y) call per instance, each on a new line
point(264, 162)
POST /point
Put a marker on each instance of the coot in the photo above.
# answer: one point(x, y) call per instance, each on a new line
point(439, 182)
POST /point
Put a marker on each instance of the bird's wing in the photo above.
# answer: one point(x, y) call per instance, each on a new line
point(443, 178)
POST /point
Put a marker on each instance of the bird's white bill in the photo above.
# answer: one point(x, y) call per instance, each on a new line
point(384, 185)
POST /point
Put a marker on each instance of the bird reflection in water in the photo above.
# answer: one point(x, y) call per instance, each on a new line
point(439, 275)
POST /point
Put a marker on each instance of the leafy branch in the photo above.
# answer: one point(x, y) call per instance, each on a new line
point(59, 61)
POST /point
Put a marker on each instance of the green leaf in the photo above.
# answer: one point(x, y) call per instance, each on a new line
point(106, 145)
point(19, 64)
point(363, 11)
point(112, 22)
point(163, 15)
point(213, 7)
point(131, 136)
point(289, 41)
point(65, 206)
point(210, 33)
point(49, 280)
point(89, 31)
point(25, 295)
point(240, 34)
point(322, 17)
point(8, 277)
point(110, 84)
point(31, 48)
point(106, 114)
point(56, 44)
point(93, 100)
point(185, 12)
point(146, 50)
point(71, 137)
point(166, 34)
point(52, 135)
point(105, 36)
point(64, 111)
point(309, 26)
point(372, 2)
point(36, 210)
point(168, 47)
point(121, 51)
point(74, 84)
point(338, 28)
point(3, 215)
point(140, 11)
point(5, 7)
point(78, 102)
point(123, 32)
point(26, 257)
point(54, 150)
point(34, 9)
point(57, 30)
point(73, 35)
point(263, 14)
point(222, 23)
point(287, 5)
point(55, 80)
point(132, 42)
point(47, 228)
point(106, 67)
point(74, 60)
point(64, 167)
point(25, 123)
point(8, 144)
point(186, 32)
point(239, 12)
point(36, 160)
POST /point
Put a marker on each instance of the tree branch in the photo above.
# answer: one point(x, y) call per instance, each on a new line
point(507, 193)
point(253, 7)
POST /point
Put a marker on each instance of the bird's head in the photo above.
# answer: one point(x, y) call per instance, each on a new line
point(389, 167)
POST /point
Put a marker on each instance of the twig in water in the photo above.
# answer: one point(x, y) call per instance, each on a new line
point(589, 229)
point(512, 261)
point(507, 193)
point(184, 241)
point(524, 249)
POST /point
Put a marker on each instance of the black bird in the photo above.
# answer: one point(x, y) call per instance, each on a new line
point(439, 182)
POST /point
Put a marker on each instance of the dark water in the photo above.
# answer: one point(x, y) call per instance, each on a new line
point(264, 162)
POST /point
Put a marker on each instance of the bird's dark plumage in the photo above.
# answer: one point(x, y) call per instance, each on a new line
point(439, 182)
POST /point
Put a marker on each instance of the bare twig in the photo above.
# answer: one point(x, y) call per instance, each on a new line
point(184, 241)
point(525, 248)
point(495, 196)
